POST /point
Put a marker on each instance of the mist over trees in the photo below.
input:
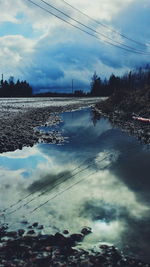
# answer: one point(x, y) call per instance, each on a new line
point(131, 81)
point(18, 89)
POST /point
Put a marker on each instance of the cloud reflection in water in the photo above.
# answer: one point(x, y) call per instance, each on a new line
point(109, 200)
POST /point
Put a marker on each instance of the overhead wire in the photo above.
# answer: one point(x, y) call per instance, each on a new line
point(88, 160)
point(42, 187)
point(57, 184)
point(61, 192)
point(83, 31)
point(104, 25)
point(74, 184)
point(89, 33)
point(73, 26)
point(68, 188)
point(55, 196)
point(91, 29)
point(58, 194)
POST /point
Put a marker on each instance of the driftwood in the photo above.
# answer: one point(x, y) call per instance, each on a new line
point(141, 119)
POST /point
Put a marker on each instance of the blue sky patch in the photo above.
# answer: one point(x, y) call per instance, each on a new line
point(24, 29)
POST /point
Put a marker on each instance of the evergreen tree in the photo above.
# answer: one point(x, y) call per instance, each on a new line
point(18, 89)
point(96, 85)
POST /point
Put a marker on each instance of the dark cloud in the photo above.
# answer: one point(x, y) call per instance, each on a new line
point(100, 210)
point(49, 182)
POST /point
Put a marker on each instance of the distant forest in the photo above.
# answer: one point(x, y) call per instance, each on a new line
point(131, 81)
point(18, 89)
point(134, 80)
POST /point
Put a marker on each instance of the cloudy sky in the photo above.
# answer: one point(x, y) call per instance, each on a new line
point(47, 52)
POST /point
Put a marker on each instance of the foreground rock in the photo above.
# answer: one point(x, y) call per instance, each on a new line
point(21, 249)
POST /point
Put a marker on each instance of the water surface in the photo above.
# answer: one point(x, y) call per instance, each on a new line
point(98, 178)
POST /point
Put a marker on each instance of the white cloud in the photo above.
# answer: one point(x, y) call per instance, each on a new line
point(8, 11)
point(54, 52)
point(101, 9)
point(17, 43)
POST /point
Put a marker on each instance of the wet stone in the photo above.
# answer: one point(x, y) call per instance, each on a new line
point(21, 232)
point(77, 237)
point(56, 250)
point(24, 222)
point(12, 234)
point(40, 227)
point(60, 239)
point(86, 231)
point(47, 240)
point(31, 232)
point(65, 232)
point(35, 224)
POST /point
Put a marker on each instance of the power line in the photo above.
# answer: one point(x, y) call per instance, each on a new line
point(77, 27)
point(46, 184)
point(57, 184)
point(61, 192)
point(91, 29)
point(104, 25)
point(58, 194)
point(89, 160)
point(69, 187)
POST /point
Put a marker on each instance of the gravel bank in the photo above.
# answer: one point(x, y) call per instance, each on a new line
point(139, 129)
point(20, 117)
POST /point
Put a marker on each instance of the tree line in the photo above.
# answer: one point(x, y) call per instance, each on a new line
point(133, 80)
point(12, 89)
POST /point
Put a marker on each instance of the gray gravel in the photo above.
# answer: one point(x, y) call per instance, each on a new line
point(19, 118)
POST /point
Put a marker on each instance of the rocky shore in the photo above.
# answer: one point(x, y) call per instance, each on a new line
point(19, 128)
point(122, 107)
point(139, 129)
point(20, 248)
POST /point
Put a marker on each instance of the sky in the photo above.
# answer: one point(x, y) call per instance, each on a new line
point(49, 53)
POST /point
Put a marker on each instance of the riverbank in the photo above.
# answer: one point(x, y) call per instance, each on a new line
point(20, 118)
point(105, 211)
point(122, 108)
point(30, 248)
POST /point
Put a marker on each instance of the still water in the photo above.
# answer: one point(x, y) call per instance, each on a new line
point(100, 177)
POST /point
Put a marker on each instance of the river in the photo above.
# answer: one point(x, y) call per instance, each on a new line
point(98, 178)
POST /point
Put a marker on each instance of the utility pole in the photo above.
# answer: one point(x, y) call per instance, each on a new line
point(1, 82)
point(72, 86)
